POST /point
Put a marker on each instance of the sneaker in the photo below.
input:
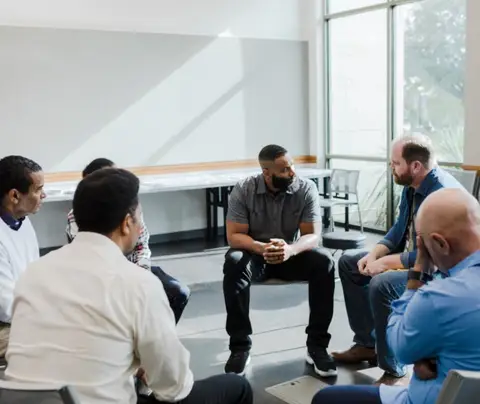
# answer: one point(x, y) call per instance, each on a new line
point(238, 362)
point(322, 362)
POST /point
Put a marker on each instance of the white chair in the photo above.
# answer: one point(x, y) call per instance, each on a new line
point(31, 393)
point(343, 192)
point(460, 387)
point(344, 187)
point(467, 178)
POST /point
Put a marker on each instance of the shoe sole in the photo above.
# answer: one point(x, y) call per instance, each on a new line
point(244, 369)
point(322, 373)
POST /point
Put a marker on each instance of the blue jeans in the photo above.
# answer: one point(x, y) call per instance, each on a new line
point(177, 293)
point(368, 302)
point(348, 395)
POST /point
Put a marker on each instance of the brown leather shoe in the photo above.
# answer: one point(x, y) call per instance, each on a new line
point(356, 354)
point(390, 380)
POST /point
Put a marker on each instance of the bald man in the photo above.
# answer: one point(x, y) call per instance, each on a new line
point(371, 280)
point(436, 323)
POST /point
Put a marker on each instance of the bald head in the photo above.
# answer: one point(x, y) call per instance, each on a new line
point(449, 223)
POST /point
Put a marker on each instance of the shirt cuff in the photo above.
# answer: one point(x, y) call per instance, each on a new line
point(387, 243)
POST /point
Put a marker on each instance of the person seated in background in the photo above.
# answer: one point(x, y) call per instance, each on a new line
point(273, 229)
point(21, 193)
point(177, 293)
point(86, 317)
point(372, 280)
point(436, 323)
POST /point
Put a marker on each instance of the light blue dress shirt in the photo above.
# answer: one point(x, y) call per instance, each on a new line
point(440, 320)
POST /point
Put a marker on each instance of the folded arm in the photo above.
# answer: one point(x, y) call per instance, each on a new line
point(412, 331)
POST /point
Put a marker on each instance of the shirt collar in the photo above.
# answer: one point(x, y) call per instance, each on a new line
point(427, 182)
point(99, 241)
point(11, 222)
point(470, 261)
point(262, 187)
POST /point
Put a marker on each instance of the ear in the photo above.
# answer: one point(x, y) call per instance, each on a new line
point(440, 244)
point(14, 196)
point(126, 224)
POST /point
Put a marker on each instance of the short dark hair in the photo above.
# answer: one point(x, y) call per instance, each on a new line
point(15, 173)
point(103, 199)
point(97, 164)
point(418, 148)
point(271, 152)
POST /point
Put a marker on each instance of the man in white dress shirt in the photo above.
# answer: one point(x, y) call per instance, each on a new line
point(87, 317)
point(21, 194)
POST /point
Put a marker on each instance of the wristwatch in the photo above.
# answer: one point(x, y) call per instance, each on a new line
point(419, 276)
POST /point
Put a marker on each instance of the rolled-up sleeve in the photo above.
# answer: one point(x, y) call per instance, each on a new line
point(237, 207)
point(412, 331)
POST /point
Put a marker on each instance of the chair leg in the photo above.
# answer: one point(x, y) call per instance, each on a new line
point(360, 217)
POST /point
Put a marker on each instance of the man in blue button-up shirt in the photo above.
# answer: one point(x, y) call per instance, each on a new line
point(372, 280)
point(435, 326)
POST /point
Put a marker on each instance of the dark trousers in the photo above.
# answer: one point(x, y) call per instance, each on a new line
point(368, 301)
point(177, 293)
point(348, 395)
point(222, 389)
point(241, 267)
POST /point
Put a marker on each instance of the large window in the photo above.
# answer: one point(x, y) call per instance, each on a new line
point(393, 67)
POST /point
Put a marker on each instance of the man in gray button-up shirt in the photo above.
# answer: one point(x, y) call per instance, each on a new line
point(273, 229)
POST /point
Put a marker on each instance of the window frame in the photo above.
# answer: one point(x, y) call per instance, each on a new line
point(391, 133)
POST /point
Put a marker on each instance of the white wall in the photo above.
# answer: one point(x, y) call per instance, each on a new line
point(194, 81)
point(472, 85)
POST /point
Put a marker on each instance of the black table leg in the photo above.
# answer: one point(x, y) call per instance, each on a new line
point(209, 213)
point(215, 204)
point(326, 195)
point(224, 200)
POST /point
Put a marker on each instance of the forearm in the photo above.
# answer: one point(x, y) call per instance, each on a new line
point(305, 243)
point(380, 251)
point(393, 261)
point(239, 241)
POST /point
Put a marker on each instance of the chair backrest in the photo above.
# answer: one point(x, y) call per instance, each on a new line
point(27, 393)
point(344, 181)
point(460, 387)
point(467, 178)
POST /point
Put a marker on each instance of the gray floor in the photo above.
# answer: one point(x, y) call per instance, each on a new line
point(279, 317)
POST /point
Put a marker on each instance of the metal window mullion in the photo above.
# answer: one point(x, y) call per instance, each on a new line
point(391, 79)
point(327, 85)
point(366, 9)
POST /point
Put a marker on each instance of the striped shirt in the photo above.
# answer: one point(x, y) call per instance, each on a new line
point(141, 255)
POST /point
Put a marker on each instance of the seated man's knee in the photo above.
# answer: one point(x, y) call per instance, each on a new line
point(380, 285)
point(321, 259)
point(325, 396)
point(347, 264)
point(236, 261)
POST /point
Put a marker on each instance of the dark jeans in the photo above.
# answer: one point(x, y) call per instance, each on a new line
point(177, 293)
point(241, 267)
point(368, 302)
point(348, 395)
point(222, 389)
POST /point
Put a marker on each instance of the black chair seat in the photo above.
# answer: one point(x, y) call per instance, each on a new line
point(344, 240)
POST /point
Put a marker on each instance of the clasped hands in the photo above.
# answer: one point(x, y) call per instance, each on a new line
point(277, 251)
point(371, 266)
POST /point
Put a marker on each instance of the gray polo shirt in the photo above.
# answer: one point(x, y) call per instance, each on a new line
point(273, 216)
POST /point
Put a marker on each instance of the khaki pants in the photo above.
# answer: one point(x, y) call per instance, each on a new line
point(4, 336)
